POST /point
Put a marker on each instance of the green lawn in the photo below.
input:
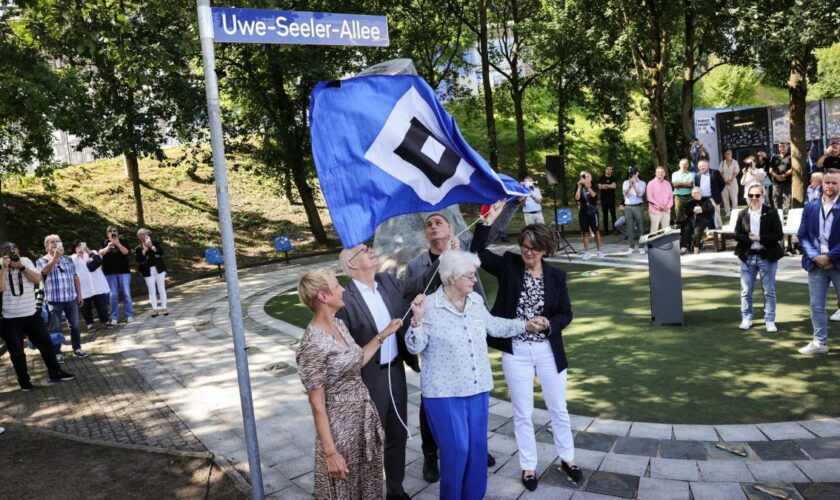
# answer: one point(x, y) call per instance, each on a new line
point(706, 372)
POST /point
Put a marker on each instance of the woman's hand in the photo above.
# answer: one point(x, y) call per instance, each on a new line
point(418, 307)
point(495, 209)
point(392, 327)
point(537, 324)
point(337, 467)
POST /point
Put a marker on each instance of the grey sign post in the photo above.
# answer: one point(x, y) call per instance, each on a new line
point(261, 26)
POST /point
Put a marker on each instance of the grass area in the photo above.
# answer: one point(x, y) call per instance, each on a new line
point(706, 372)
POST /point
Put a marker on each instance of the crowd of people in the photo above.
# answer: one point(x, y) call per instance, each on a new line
point(37, 299)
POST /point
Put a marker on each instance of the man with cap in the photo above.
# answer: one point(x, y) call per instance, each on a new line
point(634, 211)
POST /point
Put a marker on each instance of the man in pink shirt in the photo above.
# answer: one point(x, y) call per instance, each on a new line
point(660, 197)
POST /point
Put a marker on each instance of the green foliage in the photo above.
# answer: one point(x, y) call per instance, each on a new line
point(727, 86)
point(828, 73)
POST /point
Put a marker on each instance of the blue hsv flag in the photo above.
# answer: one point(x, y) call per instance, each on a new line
point(384, 146)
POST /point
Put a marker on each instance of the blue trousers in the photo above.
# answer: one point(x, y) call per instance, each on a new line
point(459, 426)
point(71, 311)
point(120, 284)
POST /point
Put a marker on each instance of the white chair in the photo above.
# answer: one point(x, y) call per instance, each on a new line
point(727, 229)
point(791, 225)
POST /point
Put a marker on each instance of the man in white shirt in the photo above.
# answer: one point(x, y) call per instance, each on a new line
point(18, 277)
point(634, 211)
point(532, 209)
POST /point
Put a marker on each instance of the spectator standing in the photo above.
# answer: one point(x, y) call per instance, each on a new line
point(729, 169)
point(117, 270)
point(660, 196)
point(62, 290)
point(752, 174)
point(606, 189)
point(532, 210)
point(781, 172)
point(683, 181)
point(699, 214)
point(758, 232)
point(95, 291)
point(819, 235)
point(149, 255)
point(711, 185)
point(588, 214)
point(831, 158)
point(634, 192)
point(698, 153)
point(814, 191)
point(20, 318)
point(763, 163)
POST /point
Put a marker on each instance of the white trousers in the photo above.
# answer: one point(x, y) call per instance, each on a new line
point(519, 368)
point(535, 218)
point(730, 197)
point(659, 221)
point(156, 283)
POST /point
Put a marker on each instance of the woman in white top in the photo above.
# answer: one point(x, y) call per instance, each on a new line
point(95, 288)
point(752, 174)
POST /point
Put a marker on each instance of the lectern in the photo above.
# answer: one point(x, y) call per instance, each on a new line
point(663, 251)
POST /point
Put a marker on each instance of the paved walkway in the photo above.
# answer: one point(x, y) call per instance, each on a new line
point(172, 383)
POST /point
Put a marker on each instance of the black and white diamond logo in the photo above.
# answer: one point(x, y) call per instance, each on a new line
point(412, 148)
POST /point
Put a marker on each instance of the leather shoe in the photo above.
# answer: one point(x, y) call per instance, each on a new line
point(491, 461)
point(404, 496)
point(431, 473)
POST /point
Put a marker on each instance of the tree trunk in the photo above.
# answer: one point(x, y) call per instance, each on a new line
point(287, 188)
point(4, 228)
point(516, 94)
point(657, 132)
point(133, 169)
point(798, 90)
point(487, 85)
point(561, 145)
point(689, 65)
point(308, 199)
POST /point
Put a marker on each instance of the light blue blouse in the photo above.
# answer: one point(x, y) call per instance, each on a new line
point(453, 346)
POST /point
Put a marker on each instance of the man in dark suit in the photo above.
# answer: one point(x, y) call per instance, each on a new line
point(371, 301)
point(711, 185)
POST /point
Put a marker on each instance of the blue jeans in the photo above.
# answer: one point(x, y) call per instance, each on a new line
point(459, 425)
point(818, 280)
point(120, 284)
point(71, 310)
point(755, 265)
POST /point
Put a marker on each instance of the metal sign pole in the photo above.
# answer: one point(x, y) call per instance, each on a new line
point(205, 28)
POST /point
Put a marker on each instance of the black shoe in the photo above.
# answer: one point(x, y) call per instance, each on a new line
point(491, 461)
point(530, 481)
point(574, 472)
point(404, 496)
point(431, 473)
point(62, 377)
point(26, 387)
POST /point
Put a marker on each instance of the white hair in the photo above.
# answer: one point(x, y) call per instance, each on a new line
point(702, 162)
point(50, 237)
point(454, 263)
point(142, 231)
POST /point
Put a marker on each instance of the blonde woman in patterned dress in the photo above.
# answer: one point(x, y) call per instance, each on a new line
point(348, 448)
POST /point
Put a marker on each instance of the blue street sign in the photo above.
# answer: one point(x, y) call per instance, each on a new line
point(302, 28)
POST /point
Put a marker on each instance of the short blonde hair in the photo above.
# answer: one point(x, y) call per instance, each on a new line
point(454, 263)
point(310, 284)
point(756, 185)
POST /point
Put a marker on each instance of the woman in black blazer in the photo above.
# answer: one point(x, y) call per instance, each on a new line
point(149, 256)
point(529, 287)
point(759, 236)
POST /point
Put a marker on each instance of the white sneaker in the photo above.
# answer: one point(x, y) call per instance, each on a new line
point(835, 316)
point(586, 256)
point(631, 251)
point(771, 327)
point(129, 319)
point(814, 348)
point(601, 255)
point(641, 250)
point(745, 324)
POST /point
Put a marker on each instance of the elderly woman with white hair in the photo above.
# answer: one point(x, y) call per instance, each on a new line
point(149, 255)
point(455, 378)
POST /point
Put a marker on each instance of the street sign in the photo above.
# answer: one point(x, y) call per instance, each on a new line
point(234, 25)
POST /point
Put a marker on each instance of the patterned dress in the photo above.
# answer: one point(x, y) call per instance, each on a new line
point(325, 363)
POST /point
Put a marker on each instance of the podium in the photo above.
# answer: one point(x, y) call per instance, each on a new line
point(665, 275)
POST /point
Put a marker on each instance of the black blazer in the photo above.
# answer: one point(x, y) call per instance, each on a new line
point(716, 183)
point(509, 270)
point(770, 234)
point(152, 258)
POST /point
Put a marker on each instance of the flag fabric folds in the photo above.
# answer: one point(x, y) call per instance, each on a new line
point(384, 146)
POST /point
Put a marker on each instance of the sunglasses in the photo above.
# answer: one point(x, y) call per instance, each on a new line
point(754, 195)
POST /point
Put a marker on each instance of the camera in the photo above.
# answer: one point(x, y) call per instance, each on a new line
point(583, 176)
point(9, 250)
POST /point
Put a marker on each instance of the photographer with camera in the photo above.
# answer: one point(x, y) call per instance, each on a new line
point(533, 203)
point(95, 291)
point(63, 292)
point(634, 210)
point(18, 278)
point(117, 269)
point(588, 214)
point(149, 256)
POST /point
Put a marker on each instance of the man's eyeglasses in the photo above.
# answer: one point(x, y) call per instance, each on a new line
point(754, 195)
point(364, 249)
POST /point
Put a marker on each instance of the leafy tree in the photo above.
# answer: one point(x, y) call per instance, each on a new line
point(785, 46)
point(135, 58)
point(828, 73)
point(728, 86)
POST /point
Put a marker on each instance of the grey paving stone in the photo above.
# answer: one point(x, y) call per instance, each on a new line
point(754, 493)
point(695, 432)
point(502, 409)
point(612, 427)
point(502, 445)
point(625, 464)
point(650, 430)
point(685, 450)
point(724, 471)
point(543, 435)
point(636, 446)
point(547, 492)
point(821, 448)
point(594, 441)
point(745, 432)
point(823, 470)
point(662, 489)
point(589, 459)
point(587, 495)
point(778, 471)
point(503, 488)
point(580, 423)
point(819, 491)
point(778, 450)
point(611, 483)
point(823, 427)
point(507, 429)
point(554, 477)
point(717, 491)
point(715, 453)
point(785, 430)
point(495, 421)
point(667, 468)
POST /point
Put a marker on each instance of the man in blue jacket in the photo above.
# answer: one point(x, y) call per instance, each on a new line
point(819, 234)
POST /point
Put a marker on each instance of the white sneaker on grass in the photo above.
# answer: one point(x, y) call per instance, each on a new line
point(835, 316)
point(601, 255)
point(586, 256)
point(745, 324)
point(814, 348)
point(771, 327)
